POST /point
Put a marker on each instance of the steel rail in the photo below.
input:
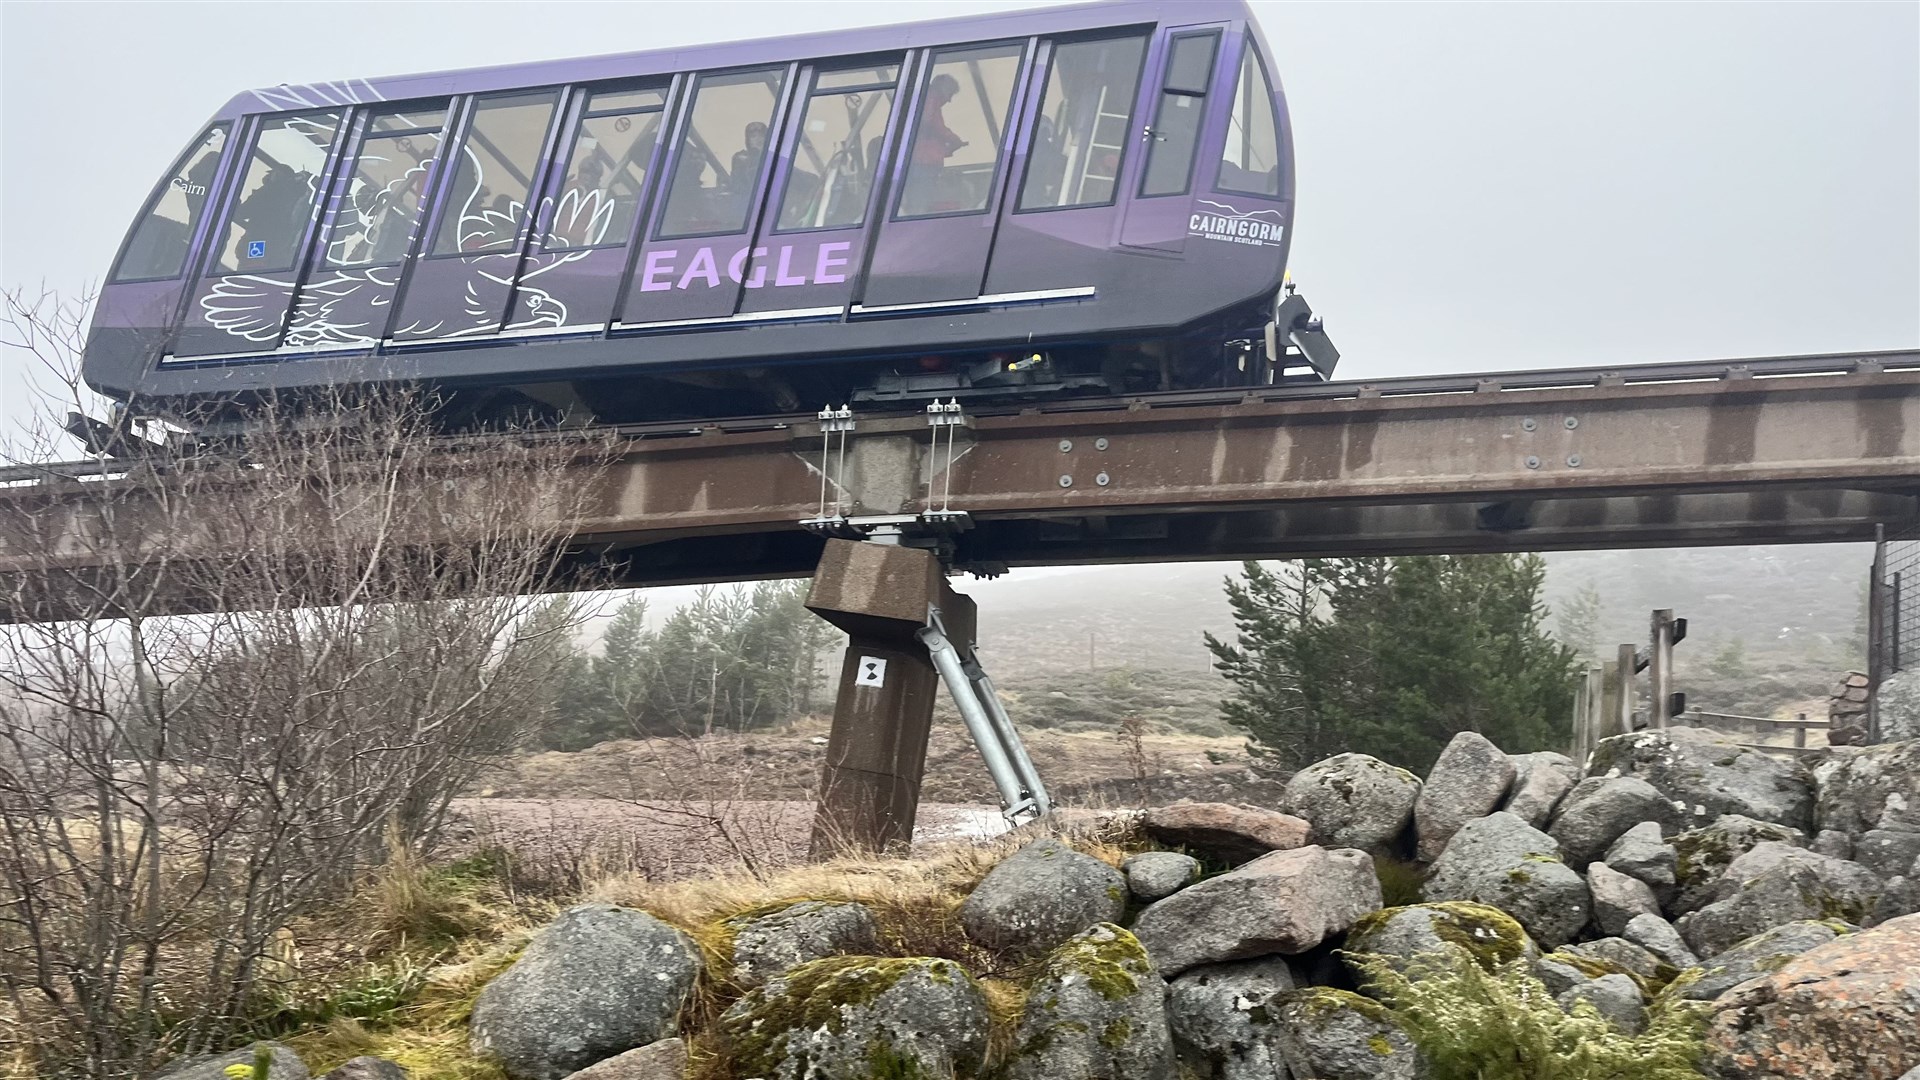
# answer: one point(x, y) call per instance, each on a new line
point(1493, 384)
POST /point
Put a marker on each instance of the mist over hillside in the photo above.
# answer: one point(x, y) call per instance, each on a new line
point(1769, 626)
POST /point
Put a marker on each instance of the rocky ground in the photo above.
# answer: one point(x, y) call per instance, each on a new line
point(1679, 908)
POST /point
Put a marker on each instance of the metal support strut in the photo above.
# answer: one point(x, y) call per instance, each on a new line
point(1021, 791)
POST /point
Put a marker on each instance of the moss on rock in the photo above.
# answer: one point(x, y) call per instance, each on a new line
point(824, 995)
point(1113, 967)
point(1488, 935)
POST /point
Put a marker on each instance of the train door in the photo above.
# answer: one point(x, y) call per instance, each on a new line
point(692, 267)
point(463, 278)
point(597, 196)
point(1079, 151)
point(947, 193)
point(242, 300)
point(373, 215)
point(1184, 68)
point(804, 264)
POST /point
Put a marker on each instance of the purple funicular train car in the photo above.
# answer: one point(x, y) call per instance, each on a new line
point(1091, 199)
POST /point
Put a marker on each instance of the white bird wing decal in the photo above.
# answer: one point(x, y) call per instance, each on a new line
point(248, 306)
point(321, 314)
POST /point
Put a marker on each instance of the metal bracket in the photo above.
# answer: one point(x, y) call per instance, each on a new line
point(833, 422)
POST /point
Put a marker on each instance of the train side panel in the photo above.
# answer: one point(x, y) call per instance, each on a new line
point(1096, 184)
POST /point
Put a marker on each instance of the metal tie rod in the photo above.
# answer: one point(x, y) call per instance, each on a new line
point(998, 750)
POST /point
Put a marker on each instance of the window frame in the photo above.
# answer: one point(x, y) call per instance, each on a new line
point(1145, 34)
point(1249, 49)
point(644, 200)
point(438, 199)
point(208, 260)
point(346, 165)
point(777, 198)
point(783, 97)
point(216, 198)
point(1003, 159)
point(1160, 94)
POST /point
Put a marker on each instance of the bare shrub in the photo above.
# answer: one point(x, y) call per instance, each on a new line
point(232, 674)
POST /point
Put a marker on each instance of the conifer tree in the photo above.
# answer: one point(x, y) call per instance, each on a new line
point(1393, 656)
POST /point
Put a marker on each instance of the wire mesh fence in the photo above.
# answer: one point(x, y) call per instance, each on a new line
point(1899, 588)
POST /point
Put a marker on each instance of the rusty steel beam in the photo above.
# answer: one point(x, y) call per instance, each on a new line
point(1726, 460)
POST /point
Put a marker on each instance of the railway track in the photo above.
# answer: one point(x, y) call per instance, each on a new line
point(1493, 384)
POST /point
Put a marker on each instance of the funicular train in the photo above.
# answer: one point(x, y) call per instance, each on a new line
point(1091, 199)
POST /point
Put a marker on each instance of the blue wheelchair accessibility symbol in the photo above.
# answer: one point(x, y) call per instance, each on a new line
point(256, 249)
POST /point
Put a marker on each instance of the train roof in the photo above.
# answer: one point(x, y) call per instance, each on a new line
point(1064, 18)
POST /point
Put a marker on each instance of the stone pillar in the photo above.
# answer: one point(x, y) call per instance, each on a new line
point(877, 750)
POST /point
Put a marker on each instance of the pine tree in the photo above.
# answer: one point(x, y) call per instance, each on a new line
point(1392, 657)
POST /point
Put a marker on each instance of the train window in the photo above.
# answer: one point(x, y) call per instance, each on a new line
point(838, 148)
point(495, 173)
point(1251, 164)
point(606, 170)
point(278, 195)
point(957, 136)
point(374, 221)
point(722, 154)
point(1085, 119)
point(158, 246)
point(1177, 118)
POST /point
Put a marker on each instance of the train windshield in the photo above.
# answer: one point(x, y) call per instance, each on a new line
point(158, 248)
point(1251, 163)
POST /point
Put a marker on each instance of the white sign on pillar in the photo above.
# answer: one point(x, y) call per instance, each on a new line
point(873, 672)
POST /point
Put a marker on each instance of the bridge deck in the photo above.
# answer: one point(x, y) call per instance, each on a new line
point(1766, 451)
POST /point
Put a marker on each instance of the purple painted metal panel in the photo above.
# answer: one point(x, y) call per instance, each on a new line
point(1038, 22)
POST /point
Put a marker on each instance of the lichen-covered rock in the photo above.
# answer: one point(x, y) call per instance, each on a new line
point(1354, 801)
point(1156, 875)
point(1281, 903)
point(766, 945)
point(1886, 852)
point(1557, 974)
point(1832, 842)
point(1501, 861)
point(1617, 954)
point(1642, 852)
point(1040, 896)
point(367, 1067)
point(1616, 998)
point(1871, 787)
point(1469, 780)
point(599, 980)
point(1328, 1034)
point(1705, 853)
point(1618, 898)
point(663, 1060)
point(1228, 832)
point(1777, 883)
point(1540, 781)
point(286, 1064)
point(1706, 775)
point(1098, 1009)
point(1760, 955)
point(1600, 810)
point(858, 1017)
point(1900, 896)
point(1221, 1028)
point(1659, 937)
point(1847, 1010)
point(1398, 935)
